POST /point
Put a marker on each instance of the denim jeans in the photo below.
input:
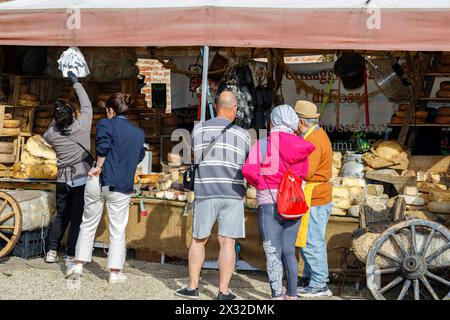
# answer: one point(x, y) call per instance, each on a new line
point(278, 236)
point(314, 254)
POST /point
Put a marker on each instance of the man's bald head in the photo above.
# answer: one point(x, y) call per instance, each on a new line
point(227, 105)
point(227, 99)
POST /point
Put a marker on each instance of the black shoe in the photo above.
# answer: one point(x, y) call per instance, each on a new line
point(303, 282)
point(187, 293)
point(229, 296)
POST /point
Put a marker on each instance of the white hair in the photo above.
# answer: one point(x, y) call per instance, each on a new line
point(310, 122)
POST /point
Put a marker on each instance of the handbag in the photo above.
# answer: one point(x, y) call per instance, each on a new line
point(189, 174)
point(291, 202)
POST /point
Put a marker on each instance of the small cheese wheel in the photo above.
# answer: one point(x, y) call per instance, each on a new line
point(442, 119)
point(445, 85)
point(7, 158)
point(101, 104)
point(42, 122)
point(444, 111)
point(8, 116)
point(6, 147)
point(10, 131)
point(405, 107)
point(443, 94)
point(29, 97)
point(27, 103)
point(11, 123)
point(43, 114)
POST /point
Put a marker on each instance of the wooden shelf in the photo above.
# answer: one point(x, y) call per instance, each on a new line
point(434, 99)
point(438, 74)
point(419, 125)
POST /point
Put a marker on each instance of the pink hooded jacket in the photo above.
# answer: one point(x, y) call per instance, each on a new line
point(294, 151)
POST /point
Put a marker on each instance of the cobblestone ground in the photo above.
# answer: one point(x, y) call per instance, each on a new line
point(35, 279)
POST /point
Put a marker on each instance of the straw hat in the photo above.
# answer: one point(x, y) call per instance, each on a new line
point(306, 109)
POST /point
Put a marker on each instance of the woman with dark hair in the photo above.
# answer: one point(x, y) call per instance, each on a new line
point(70, 137)
point(120, 148)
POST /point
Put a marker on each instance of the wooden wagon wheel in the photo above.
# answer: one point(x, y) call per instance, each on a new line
point(9, 234)
point(413, 266)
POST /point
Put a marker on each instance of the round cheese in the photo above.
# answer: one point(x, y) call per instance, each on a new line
point(11, 123)
point(6, 147)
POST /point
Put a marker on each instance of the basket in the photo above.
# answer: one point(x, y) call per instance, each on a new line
point(30, 244)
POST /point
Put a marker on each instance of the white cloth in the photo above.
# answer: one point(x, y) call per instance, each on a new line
point(284, 118)
point(73, 60)
point(118, 210)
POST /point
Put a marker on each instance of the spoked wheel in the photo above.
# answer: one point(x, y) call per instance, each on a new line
point(10, 223)
point(410, 260)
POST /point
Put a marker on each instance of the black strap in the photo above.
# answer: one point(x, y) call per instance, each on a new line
point(213, 141)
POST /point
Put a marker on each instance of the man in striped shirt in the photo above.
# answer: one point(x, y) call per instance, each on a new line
point(219, 192)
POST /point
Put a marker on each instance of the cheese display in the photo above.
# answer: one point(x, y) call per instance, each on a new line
point(341, 197)
point(386, 154)
point(28, 159)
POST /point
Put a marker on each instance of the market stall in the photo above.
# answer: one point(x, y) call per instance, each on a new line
point(208, 46)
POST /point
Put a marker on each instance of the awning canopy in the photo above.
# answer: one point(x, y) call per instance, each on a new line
point(300, 24)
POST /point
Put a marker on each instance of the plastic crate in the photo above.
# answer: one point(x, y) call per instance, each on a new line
point(31, 244)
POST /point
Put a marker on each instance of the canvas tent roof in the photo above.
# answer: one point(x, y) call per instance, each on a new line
point(302, 24)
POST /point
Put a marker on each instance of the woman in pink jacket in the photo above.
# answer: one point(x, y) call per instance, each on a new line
point(264, 168)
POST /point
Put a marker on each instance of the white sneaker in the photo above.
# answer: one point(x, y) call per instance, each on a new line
point(117, 277)
point(51, 256)
point(69, 261)
point(74, 271)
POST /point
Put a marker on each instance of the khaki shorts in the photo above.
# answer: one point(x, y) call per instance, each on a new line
point(229, 213)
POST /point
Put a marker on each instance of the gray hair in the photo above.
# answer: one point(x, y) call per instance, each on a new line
point(310, 122)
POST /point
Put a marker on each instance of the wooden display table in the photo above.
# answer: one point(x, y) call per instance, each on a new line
point(27, 184)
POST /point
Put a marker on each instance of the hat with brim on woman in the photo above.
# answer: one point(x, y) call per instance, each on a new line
point(306, 110)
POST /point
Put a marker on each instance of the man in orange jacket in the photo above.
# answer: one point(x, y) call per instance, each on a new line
point(311, 240)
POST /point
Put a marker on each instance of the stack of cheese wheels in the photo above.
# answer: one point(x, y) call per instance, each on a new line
point(444, 90)
point(399, 116)
point(42, 120)
point(7, 153)
point(10, 125)
point(29, 100)
point(140, 101)
point(443, 116)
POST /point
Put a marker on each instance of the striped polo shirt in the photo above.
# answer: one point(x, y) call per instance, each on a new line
point(219, 175)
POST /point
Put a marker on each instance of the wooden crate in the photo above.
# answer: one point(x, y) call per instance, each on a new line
point(6, 132)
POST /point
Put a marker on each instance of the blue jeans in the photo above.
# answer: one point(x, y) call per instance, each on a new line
point(315, 253)
point(278, 236)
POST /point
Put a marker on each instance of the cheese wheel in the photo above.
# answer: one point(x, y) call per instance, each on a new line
point(43, 114)
point(442, 119)
point(6, 147)
point(418, 115)
point(8, 116)
point(445, 85)
point(444, 111)
point(10, 131)
point(443, 94)
point(37, 147)
point(29, 97)
point(40, 130)
point(11, 123)
point(42, 122)
point(27, 103)
point(405, 107)
point(101, 104)
point(7, 158)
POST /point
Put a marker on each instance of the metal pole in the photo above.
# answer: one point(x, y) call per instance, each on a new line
point(204, 81)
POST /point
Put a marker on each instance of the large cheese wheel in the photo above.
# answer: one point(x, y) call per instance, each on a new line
point(6, 147)
point(37, 147)
point(27, 103)
point(443, 94)
point(11, 123)
point(10, 131)
point(442, 119)
point(444, 111)
point(43, 114)
point(29, 97)
point(7, 158)
point(42, 122)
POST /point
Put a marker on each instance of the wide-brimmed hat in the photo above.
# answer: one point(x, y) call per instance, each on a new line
point(306, 109)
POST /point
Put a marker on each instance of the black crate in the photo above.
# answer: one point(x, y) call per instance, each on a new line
point(31, 244)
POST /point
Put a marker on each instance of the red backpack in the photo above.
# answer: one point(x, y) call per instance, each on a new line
point(291, 204)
